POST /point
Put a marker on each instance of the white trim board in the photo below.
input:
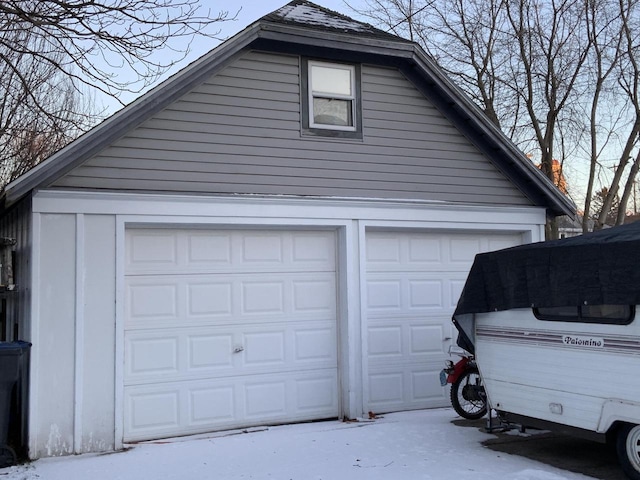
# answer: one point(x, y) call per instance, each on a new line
point(297, 209)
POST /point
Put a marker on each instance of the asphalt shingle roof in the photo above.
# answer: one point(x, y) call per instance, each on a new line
point(310, 15)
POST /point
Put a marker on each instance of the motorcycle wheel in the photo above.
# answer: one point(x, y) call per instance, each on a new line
point(628, 449)
point(463, 404)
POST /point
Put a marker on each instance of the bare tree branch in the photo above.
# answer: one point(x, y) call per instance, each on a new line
point(56, 54)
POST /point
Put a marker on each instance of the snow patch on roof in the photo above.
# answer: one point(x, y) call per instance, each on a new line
point(314, 16)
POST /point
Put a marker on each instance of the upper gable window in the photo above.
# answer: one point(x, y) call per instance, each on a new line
point(331, 99)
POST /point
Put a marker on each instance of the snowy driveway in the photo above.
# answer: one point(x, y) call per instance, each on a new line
point(422, 444)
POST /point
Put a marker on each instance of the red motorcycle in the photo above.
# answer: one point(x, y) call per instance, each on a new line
point(468, 396)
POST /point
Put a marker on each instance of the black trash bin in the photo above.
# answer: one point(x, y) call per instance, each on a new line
point(14, 372)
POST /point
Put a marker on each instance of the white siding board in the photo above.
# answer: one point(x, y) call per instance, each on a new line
point(98, 347)
point(239, 132)
point(56, 324)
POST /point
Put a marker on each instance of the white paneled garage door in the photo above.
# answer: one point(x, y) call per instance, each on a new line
point(413, 284)
point(228, 328)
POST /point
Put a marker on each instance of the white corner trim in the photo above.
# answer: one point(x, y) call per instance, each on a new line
point(79, 335)
point(34, 359)
point(119, 336)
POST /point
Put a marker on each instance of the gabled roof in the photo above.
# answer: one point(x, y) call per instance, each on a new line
point(302, 27)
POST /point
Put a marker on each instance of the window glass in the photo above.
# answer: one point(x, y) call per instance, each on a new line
point(606, 311)
point(558, 311)
point(608, 314)
point(331, 96)
point(331, 80)
point(331, 111)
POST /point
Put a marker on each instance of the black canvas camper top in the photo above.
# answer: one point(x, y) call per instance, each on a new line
point(599, 268)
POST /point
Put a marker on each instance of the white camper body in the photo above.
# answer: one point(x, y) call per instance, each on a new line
point(555, 329)
point(583, 375)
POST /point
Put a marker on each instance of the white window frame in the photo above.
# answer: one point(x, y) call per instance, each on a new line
point(351, 98)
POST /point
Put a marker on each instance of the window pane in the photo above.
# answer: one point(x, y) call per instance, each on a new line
point(558, 312)
point(605, 314)
point(329, 111)
point(331, 80)
point(619, 312)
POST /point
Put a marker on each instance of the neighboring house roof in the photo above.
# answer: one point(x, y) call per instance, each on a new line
point(301, 27)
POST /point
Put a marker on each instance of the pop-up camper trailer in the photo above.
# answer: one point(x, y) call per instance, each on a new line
point(555, 329)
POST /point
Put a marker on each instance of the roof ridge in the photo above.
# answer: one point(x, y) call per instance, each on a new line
point(307, 13)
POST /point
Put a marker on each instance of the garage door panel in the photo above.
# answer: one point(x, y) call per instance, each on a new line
point(265, 399)
point(264, 297)
point(425, 340)
point(156, 355)
point(463, 249)
point(207, 406)
point(152, 300)
point(428, 294)
point(413, 282)
point(264, 348)
point(208, 297)
point(405, 341)
point(315, 345)
point(317, 394)
point(169, 354)
point(411, 387)
point(228, 328)
point(456, 286)
point(425, 386)
point(210, 351)
point(422, 251)
point(185, 407)
point(153, 410)
point(295, 295)
point(150, 251)
point(385, 388)
point(155, 300)
point(425, 292)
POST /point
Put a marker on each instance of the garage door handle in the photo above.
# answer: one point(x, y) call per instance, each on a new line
point(238, 349)
point(446, 339)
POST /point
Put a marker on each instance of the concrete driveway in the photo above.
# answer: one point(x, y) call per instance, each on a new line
point(554, 449)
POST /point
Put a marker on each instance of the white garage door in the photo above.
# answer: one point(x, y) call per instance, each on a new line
point(413, 284)
point(227, 329)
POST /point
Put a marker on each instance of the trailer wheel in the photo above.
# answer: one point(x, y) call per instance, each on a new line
point(628, 450)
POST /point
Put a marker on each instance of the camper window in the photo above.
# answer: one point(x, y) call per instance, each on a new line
point(612, 314)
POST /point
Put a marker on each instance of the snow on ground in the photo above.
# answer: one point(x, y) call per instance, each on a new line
point(416, 445)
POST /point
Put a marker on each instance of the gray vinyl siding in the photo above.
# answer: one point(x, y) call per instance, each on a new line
point(240, 133)
point(16, 223)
